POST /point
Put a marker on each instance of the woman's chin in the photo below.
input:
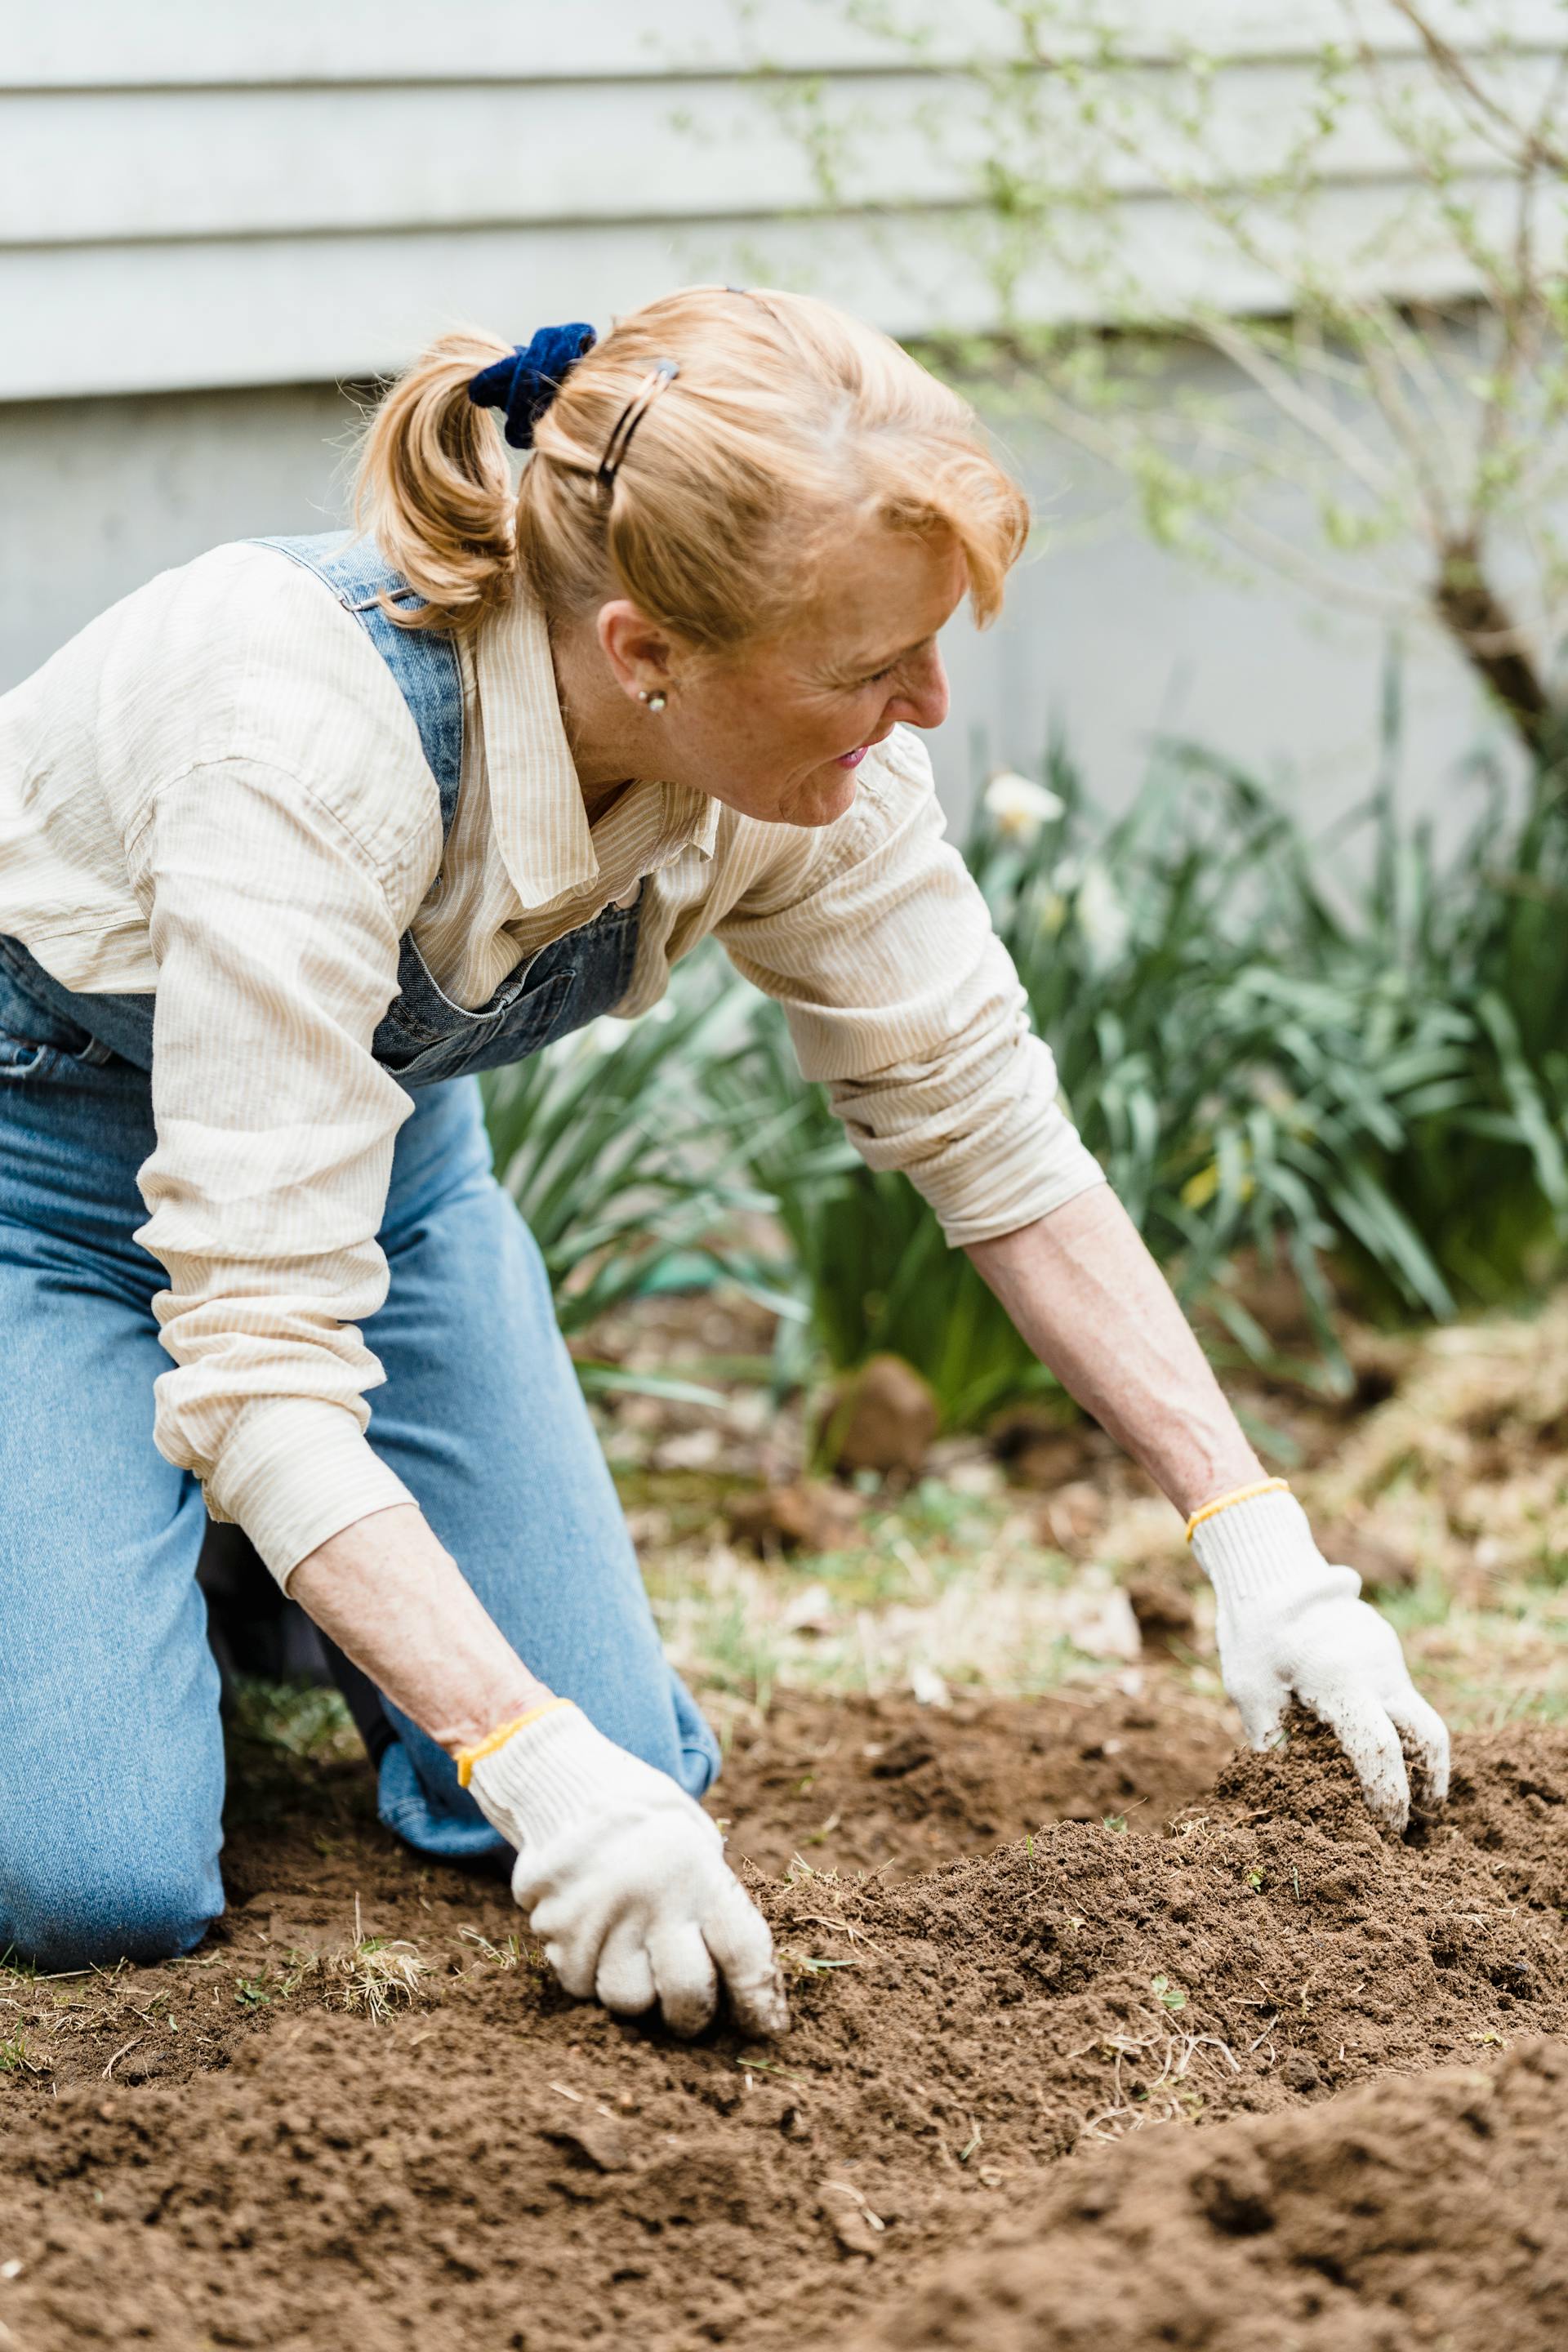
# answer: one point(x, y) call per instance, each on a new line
point(830, 795)
point(818, 799)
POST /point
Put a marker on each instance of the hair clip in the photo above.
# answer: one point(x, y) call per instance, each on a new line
point(662, 372)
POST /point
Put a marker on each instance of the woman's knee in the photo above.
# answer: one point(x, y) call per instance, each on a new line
point(91, 1911)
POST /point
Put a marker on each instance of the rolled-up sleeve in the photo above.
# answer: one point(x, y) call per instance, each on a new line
point(277, 946)
point(907, 1007)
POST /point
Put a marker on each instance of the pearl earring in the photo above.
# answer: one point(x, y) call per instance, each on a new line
point(656, 700)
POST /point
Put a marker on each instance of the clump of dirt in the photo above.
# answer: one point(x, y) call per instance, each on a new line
point(1428, 2211)
point(490, 2164)
point(886, 1785)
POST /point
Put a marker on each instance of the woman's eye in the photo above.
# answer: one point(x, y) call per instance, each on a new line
point(878, 674)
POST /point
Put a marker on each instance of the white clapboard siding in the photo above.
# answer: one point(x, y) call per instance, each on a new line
point(300, 304)
point(191, 164)
point(171, 44)
point(197, 194)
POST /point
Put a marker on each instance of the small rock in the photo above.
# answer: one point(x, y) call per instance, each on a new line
point(847, 2216)
point(883, 1417)
point(928, 1688)
point(1098, 1619)
point(905, 1754)
point(689, 1449)
point(1072, 1516)
point(1039, 1453)
point(596, 2141)
point(807, 1517)
point(1163, 1612)
point(811, 1611)
point(1299, 2072)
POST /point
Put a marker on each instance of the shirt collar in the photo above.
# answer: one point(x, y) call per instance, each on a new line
point(536, 800)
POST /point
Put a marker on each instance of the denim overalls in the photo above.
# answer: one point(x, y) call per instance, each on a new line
point(113, 1765)
point(424, 1036)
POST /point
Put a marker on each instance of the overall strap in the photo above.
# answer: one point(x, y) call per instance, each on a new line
point(424, 664)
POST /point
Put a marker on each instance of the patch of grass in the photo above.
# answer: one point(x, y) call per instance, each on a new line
point(377, 1975)
point(499, 1956)
point(938, 1580)
point(306, 1720)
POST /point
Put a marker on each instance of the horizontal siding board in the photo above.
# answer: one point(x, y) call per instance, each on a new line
point(281, 310)
point(307, 190)
point(109, 43)
point(130, 166)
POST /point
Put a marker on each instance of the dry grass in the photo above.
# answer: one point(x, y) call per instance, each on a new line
point(1462, 1473)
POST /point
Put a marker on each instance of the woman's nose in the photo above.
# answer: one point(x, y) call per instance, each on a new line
point(922, 697)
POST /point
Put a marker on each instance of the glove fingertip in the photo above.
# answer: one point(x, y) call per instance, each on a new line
point(762, 2012)
point(575, 1974)
point(1425, 1739)
point(1262, 1722)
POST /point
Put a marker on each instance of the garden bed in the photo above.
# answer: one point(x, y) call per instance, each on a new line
point(240, 2150)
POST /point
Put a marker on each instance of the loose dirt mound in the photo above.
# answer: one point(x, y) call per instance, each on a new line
point(493, 2166)
point(1433, 2211)
point(882, 1784)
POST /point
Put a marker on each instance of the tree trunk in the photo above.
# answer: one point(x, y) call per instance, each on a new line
point(1485, 633)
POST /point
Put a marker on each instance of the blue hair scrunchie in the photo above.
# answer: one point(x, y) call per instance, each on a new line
point(526, 381)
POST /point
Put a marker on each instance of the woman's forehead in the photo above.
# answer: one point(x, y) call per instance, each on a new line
point(887, 593)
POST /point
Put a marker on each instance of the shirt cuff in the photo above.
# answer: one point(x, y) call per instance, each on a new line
point(1028, 1160)
point(296, 1473)
point(1021, 1195)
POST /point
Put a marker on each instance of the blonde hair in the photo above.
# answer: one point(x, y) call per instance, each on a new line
point(788, 419)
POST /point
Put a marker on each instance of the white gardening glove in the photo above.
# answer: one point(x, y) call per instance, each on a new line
point(1289, 1626)
point(622, 1877)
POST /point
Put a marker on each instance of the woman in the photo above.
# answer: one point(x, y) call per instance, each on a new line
point(294, 841)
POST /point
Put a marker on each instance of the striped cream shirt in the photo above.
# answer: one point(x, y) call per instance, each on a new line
point(216, 792)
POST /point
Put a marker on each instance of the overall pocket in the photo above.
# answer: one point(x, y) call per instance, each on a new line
point(34, 1039)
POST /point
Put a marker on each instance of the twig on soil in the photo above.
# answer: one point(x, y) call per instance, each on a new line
point(124, 2050)
point(1177, 2053)
point(766, 2066)
point(841, 1928)
point(811, 1964)
point(488, 1951)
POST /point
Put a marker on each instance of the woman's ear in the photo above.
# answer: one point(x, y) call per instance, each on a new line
point(639, 651)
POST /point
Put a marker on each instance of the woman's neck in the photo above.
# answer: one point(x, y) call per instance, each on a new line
point(604, 733)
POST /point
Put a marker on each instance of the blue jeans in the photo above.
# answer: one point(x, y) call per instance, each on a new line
point(112, 1776)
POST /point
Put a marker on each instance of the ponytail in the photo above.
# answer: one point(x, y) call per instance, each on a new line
point(784, 419)
point(434, 488)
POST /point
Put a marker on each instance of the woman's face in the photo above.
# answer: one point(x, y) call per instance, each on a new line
point(779, 730)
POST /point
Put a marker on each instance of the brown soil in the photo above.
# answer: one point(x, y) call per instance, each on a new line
point(1407, 2214)
point(491, 2167)
point(883, 1784)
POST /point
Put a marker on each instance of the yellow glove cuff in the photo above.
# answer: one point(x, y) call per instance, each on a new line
point(1240, 1495)
point(468, 1756)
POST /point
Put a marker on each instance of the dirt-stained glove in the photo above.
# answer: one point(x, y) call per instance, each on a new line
point(1291, 1626)
point(622, 1877)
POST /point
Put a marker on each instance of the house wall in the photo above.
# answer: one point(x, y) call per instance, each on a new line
point(212, 217)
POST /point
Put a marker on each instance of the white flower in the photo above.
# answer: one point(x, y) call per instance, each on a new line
point(1018, 807)
point(1100, 915)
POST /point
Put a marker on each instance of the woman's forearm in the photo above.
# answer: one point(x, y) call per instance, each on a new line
point(395, 1601)
point(1085, 1293)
